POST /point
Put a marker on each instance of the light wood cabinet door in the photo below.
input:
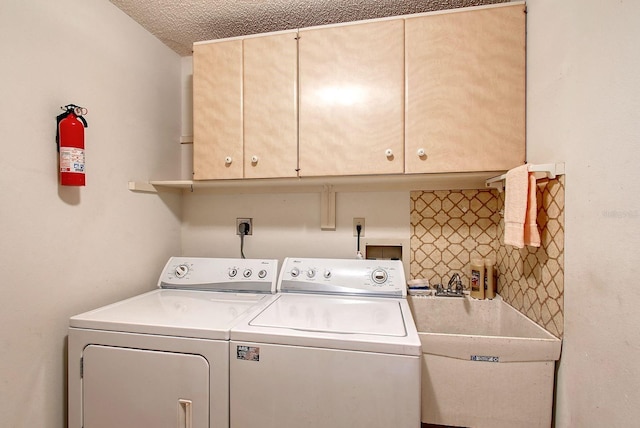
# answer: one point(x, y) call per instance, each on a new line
point(217, 110)
point(352, 99)
point(270, 106)
point(465, 90)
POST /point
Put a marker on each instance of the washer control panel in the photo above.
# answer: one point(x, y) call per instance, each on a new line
point(220, 274)
point(343, 276)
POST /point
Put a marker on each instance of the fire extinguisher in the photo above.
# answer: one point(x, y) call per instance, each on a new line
point(70, 142)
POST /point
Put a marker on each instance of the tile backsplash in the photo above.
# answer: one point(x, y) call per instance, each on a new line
point(448, 228)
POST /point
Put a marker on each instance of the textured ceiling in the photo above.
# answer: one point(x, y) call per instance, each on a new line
point(180, 23)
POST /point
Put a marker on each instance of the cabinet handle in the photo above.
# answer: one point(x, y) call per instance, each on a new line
point(388, 153)
point(185, 413)
point(254, 159)
point(228, 160)
point(421, 153)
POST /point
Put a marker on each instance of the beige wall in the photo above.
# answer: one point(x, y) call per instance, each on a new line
point(583, 107)
point(67, 250)
point(288, 224)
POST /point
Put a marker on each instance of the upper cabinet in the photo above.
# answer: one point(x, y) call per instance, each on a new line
point(429, 93)
point(217, 110)
point(245, 108)
point(465, 74)
point(270, 106)
point(352, 99)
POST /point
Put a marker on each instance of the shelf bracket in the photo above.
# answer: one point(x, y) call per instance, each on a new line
point(328, 208)
point(140, 186)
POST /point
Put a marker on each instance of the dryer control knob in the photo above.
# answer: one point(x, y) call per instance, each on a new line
point(327, 274)
point(295, 272)
point(311, 273)
point(233, 272)
point(247, 273)
point(262, 274)
point(181, 270)
point(379, 276)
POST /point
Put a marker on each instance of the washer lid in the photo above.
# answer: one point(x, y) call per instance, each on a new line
point(382, 317)
point(338, 322)
point(181, 313)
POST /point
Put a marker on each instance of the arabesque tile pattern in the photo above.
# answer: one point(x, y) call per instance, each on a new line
point(532, 279)
point(451, 227)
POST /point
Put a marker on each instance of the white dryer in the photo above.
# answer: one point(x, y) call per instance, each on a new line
point(161, 359)
point(337, 348)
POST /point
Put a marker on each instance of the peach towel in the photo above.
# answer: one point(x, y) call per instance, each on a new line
point(531, 232)
point(520, 208)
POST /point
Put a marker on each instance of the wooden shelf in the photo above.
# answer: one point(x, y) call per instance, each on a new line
point(361, 183)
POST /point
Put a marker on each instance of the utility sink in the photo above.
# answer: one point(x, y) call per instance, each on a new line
point(484, 363)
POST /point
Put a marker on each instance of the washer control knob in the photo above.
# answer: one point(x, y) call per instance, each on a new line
point(311, 273)
point(233, 272)
point(262, 274)
point(247, 273)
point(181, 271)
point(379, 276)
point(295, 272)
point(327, 274)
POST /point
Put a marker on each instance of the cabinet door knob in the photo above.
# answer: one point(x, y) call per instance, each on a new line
point(254, 159)
point(228, 160)
point(388, 153)
point(421, 153)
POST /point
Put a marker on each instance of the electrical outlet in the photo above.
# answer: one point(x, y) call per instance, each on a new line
point(248, 221)
point(358, 221)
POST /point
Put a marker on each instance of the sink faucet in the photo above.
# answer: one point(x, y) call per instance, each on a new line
point(454, 287)
point(456, 282)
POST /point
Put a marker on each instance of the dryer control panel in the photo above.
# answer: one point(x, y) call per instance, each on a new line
point(219, 274)
point(343, 276)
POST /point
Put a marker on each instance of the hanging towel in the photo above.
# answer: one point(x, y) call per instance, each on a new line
point(515, 205)
point(531, 232)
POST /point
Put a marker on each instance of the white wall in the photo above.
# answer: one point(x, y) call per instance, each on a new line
point(289, 224)
point(584, 108)
point(67, 250)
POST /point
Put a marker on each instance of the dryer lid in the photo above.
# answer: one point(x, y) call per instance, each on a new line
point(180, 313)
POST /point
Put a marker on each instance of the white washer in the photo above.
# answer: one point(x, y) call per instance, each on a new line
point(162, 358)
point(337, 348)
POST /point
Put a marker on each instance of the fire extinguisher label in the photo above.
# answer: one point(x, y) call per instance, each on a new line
point(71, 159)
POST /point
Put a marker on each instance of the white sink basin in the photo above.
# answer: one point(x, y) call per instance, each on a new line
point(484, 363)
point(462, 327)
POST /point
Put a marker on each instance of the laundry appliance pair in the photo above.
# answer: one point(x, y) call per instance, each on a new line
point(230, 343)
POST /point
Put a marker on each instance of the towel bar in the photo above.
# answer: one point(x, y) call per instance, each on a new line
point(544, 170)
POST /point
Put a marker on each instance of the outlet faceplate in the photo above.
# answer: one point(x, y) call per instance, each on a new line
point(358, 221)
point(239, 221)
